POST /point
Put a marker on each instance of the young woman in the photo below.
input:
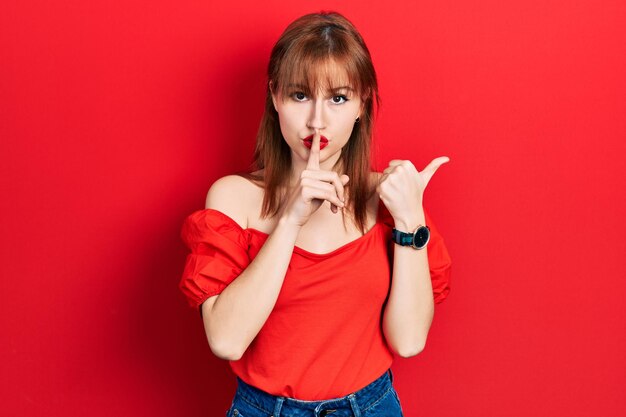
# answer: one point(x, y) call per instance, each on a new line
point(312, 271)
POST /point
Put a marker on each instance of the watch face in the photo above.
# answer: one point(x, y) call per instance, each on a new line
point(422, 235)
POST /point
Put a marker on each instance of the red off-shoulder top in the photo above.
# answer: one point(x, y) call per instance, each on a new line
point(324, 337)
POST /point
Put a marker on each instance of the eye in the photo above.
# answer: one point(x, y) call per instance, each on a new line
point(299, 96)
point(339, 99)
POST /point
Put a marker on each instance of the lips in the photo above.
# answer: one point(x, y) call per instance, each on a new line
point(308, 142)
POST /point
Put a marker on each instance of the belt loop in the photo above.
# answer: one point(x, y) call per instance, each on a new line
point(355, 407)
point(278, 406)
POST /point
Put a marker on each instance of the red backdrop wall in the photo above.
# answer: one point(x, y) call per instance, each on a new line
point(117, 116)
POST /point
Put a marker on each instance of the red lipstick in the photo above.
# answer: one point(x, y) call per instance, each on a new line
point(308, 142)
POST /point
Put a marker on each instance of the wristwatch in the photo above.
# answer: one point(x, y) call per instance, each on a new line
point(417, 239)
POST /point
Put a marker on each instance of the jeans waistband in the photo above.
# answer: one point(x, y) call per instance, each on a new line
point(359, 400)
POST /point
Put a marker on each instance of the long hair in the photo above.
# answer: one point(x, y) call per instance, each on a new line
point(308, 44)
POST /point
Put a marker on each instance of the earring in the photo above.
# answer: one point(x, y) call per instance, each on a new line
point(358, 119)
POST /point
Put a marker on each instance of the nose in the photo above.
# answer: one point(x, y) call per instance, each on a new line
point(316, 118)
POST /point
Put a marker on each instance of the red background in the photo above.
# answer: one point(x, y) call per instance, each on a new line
point(117, 116)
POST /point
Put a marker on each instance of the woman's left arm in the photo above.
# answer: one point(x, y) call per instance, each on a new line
point(410, 308)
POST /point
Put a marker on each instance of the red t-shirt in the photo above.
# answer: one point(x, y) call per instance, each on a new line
point(324, 337)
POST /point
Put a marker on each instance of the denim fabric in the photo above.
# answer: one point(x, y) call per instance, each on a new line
point(377, 399)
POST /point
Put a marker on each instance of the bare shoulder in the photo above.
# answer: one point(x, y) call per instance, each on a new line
point(375, 177)
point(234, 196)
point(374, 180)
point(374, 198)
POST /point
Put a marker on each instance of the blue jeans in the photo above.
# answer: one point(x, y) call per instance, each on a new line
point(377, 399)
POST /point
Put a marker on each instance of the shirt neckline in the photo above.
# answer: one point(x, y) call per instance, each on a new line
point(345, 246)
point(296, 248)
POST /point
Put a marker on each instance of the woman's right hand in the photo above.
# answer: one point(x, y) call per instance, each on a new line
point(314, 187)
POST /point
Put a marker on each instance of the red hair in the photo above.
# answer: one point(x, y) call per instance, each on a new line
point(304, 48)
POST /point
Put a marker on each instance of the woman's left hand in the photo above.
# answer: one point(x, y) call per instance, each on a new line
point(401, 188)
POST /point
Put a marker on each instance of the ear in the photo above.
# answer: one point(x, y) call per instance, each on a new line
point(271, 87)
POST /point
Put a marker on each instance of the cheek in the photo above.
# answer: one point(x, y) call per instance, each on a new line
point(290, 119)
point(346, 117)
point(349, 121)
point(346, 123)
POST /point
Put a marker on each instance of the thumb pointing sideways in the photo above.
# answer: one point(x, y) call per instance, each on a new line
point(431, 168)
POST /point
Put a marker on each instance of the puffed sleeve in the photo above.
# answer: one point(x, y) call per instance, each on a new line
point(218, 254)
point(439, 260)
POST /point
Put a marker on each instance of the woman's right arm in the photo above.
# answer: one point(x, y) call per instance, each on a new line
point(233, 318)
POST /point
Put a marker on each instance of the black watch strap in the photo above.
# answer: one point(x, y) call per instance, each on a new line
point(409, 239)
point(402, 238)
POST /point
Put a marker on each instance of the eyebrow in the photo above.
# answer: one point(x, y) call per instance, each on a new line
point(345, 87)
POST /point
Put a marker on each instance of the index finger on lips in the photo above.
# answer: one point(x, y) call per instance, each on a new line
point(314, 153)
